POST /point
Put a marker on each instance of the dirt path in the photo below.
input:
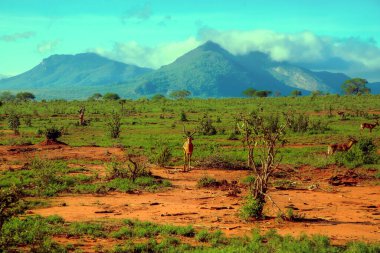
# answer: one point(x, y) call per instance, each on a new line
point(348, 213)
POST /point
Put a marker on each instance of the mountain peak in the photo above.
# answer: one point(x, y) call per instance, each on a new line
point(211, 46)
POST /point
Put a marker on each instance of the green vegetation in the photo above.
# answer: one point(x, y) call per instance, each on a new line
point(111, 96)
point(178, 94)
point(48, 178)
point(355, 86)
point(251, 92)
point(136, 236)
point(144, 123)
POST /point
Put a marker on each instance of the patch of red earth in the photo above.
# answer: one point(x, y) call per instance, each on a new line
point(22, 154)
point(342, 213)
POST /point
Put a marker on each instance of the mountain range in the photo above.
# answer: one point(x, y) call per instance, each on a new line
point(207, 71)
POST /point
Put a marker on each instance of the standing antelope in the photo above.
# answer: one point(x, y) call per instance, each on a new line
point(341, 147)
point(369, 126)
point(187, 149)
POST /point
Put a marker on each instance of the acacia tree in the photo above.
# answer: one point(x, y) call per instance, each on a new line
point(249, 92)
point(177, 94)
point(111, 96)
point(261, 136)
point(25, 96)
point(355, 86)
point(295, 93)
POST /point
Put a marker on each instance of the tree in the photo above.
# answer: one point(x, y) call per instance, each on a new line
point(355, 86)
point(25, 96)
point(295, 93)
point(7, 96)
point(262, 136)
point(95, 96)
point(157, 97)
point(111, 96)
point(250, 92)
point(263, 93)
point(177, 94)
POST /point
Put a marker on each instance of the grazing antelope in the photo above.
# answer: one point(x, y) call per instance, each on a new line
point(341, 147)
point(369, 126)
point(187, 149)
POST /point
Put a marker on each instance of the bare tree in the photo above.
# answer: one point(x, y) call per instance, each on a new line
point(263, 137)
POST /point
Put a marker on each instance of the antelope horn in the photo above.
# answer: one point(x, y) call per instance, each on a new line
point(193, 133)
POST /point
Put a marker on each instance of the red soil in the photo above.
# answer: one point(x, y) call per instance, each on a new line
point(340, 212)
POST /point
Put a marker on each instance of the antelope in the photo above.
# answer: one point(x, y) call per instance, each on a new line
point(369, 126)
point(341, 147)
point(187, 149)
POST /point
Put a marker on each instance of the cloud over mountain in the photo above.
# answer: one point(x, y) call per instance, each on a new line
point(151, 57)
point(354, 56)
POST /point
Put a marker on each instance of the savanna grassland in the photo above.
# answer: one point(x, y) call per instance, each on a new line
point(94, 192)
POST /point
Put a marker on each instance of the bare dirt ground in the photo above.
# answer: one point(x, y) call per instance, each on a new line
point(343, 213)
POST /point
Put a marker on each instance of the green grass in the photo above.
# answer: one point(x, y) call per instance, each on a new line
point(146, 124)
point(138, 236)
point(46, 178)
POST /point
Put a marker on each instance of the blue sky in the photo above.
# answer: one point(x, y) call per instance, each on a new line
point(340, 36)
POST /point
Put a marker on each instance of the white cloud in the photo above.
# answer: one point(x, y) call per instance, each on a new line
point(134, 53)
point(352, 56)
point(305, 47)
point(139, 14)
point(17, 36)
point(47, 47)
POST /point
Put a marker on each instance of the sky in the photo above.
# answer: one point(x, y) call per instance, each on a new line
point(337, 36)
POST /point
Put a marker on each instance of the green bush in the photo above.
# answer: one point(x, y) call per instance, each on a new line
point(34, 231)
point(53, 133)
point(163, 155)
point(85, 228)
point(114, 126)
point(251, 209)
point(14, 122)
point(205, 126)
point(363, 152)
point(207, 181)
point(11, 204)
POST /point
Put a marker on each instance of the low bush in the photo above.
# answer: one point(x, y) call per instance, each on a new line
point(251, 209)
point(53, 133)
point(207, 181)
point(363, 152)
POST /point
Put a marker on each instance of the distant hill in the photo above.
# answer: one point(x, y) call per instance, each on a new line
point(3, 76)
point(68, 71)
point(207, 71)
point(211, 71)
point(375, 87)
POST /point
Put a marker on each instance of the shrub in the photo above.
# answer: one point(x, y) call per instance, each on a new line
point(114, 125)
point(14, 122)
point(33, 231)
point(183, 116)
point(10, 204)
point(163, 155)
point(363, 152)
point(53, 133)
point(205, 126)
point(28, 120)
point(251, 209)
point(207, 181)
